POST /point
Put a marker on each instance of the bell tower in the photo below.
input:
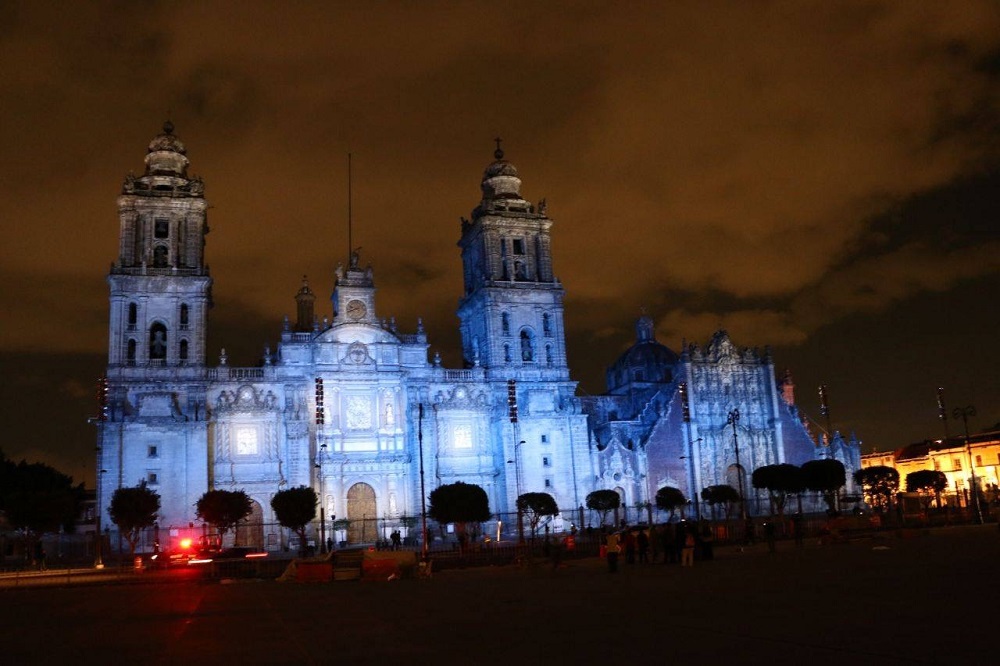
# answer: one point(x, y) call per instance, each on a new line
point(160, 285)
point(512, 310)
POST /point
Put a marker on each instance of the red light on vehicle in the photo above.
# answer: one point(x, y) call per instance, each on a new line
point(254, 555)
point(185, 544)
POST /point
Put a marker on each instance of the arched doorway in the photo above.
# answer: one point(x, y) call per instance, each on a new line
point(250, 530)
point(361, 513)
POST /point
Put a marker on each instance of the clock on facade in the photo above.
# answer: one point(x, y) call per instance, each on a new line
point(356, 309)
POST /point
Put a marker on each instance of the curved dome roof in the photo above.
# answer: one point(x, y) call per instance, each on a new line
point(167, 141)
point(645, 361)
point(500, 168)
point(647, 354)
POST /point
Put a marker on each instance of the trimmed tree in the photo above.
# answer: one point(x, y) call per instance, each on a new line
point(780, 481)
point(927, 482)
point(880, 483)
point(534, 506)
point(603, 502)
point(826, 476)
point(295, 508)
point(134, 510)
point(723, 494)
point(224, 509)
point(670, 499)
point(459, 503)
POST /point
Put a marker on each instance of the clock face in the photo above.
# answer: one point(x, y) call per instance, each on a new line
point(356, 309)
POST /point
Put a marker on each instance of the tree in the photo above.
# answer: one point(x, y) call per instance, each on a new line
point(670, 499)
point(779, 481)
point(926, 481)
point(723, 494)
point(295, 508)
point(826, 476)
point(224, 509)
point(38, 498)
point(604, 502)
point(536, 505)
point(134, 510)
point(459, 503)
point(880, 483)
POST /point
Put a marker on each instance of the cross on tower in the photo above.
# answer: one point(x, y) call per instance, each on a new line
point(498, 153)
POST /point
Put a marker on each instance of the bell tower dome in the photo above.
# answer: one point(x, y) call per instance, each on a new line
point(160, 285)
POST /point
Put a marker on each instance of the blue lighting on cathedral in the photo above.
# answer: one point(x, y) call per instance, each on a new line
point(337, 406)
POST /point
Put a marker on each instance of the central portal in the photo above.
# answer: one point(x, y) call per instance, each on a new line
point(361, 514)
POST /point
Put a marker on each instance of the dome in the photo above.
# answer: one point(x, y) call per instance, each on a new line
point(500, 168)
point(646, 361)
point(167, 141)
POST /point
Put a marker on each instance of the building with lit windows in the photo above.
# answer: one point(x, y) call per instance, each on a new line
point(346, 406)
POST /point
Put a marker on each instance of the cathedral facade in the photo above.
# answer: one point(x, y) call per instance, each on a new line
point(361, 412)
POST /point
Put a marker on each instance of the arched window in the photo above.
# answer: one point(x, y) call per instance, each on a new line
point(160, 257)
point(130, 357)
point(157, 342)
point(133, 315)
point(546, 324)
point(527, 346)
point(184, 315)
point(183, 353)
point(505, 323)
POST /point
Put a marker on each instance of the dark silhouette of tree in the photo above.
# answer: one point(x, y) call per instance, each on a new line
point(670, 499)
point(134, 510)
point(880, 483)
point(534, 506)
point(724, 495)
point(38, 498)
point(825, 476)
point(927, 482)
point(780, 481)
point(461, 504)
point(295, 508)
point(224, 509)
point(604, 502)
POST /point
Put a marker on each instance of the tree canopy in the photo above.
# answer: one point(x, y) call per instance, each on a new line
point(224, 508)
point(459, 503)
point(880, 483)
point(295, 508)
point(38, 498)
point(535, 506)
point(927, 481)
point(780, 481)
point(133, 510)
point(604, 502)
point(670, 499)
point(724, 495)
point(826, 476)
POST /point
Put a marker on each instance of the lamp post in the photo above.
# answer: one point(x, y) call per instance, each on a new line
point(964, 413)
point(322, 499)
point(517, 480)
point(423, 492)
point(98, 540)
point(691, 477)
point(732, 419)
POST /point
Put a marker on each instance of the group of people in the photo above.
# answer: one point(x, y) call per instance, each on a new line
point(677, 542)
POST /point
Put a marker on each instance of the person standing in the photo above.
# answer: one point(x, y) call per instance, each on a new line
point(642, 546)
point(612, 552)
point(687, 552)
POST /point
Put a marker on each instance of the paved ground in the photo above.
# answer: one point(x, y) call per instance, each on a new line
point(925, 599)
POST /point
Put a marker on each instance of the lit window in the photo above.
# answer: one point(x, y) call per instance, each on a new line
point(246, 442)
point(462, 438)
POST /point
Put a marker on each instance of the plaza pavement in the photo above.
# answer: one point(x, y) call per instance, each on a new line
point(929, 598)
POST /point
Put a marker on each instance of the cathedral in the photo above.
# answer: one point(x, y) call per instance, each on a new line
point(361, 412)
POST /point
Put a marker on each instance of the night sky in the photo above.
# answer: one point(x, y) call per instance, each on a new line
point(822, 177)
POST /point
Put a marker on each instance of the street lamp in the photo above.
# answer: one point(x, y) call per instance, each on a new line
point(517, 476)
point(691, 476)
point(733, 419)
point(964, 413)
